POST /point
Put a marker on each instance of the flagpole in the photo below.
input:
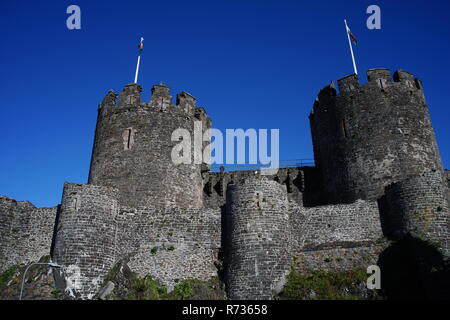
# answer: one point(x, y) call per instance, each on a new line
point(139, 60)
point(137, 68)
point(351, 47)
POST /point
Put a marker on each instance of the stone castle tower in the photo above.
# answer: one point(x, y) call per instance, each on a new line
point(371, 135)
point(377, 175)
point(132, 148)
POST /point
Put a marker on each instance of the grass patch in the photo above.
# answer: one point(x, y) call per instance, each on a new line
point(323, 285)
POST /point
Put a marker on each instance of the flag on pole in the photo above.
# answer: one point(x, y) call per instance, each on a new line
point(352, 36)
point(141, 45)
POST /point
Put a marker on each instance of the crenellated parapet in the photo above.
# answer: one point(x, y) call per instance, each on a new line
point(160, 100)
point(368, 135)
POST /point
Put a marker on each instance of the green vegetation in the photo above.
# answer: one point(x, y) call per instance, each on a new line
point(56, 293)
point(154, 250)
point(193, 289)
point(7, 275)
point(147, 289)
point(323, 285)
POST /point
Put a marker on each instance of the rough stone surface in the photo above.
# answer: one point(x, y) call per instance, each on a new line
point(371, 135)
point(86, 237)
point(418, 206)
point(258, 253)
point(133, 147)
point(170, 243)
point(25, 232)
point(340, 258)
point(335, 225)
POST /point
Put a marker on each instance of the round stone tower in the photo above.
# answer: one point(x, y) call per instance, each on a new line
point(258, 243)
point(133, 148)
point(371, 135)
point(85, 238)
point(418, 206)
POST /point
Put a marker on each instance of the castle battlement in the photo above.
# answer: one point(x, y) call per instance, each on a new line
point(380, 78)
point(160, 101)
point(372, 126)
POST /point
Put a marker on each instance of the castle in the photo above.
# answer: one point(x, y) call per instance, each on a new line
point(377, 175)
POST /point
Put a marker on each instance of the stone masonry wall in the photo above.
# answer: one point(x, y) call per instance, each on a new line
point(339, 259)
point(133, 147)
point(419, 206)
point(86, 237)
point(334, 226)
point(170, 243)
point(258, 252)
point(25, 232)
point(370, 135)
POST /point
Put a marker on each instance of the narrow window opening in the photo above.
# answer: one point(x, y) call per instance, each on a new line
point(344, 129)
point(417, 82)
point(128, 139)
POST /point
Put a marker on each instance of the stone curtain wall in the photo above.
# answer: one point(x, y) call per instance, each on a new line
point(258, 248)
point(170, 243)
point(370, 135)
point(86, 237)
point(339, 259)
point(132, 148)
point(334, 226)
point(418, 206)
point(25, 232)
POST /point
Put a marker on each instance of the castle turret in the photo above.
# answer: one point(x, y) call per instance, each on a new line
point(418, 206)
point(133, 147)
point(371, 135)
point(258, 244)
point(85, 238)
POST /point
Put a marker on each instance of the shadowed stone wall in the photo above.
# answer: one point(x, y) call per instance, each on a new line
point(418, 206)
point(373, 134)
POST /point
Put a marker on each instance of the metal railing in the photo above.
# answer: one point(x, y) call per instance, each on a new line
point(292, 163)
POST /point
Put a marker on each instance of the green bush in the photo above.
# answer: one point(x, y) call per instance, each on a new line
point(147, 289)
point(7, 275)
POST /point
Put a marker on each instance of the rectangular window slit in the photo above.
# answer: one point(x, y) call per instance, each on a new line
point(344, 129)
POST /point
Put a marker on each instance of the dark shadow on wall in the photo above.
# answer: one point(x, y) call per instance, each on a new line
point(413, 269)
point(55, 229)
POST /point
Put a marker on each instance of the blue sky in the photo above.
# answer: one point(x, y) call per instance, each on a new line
point(250, 63)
